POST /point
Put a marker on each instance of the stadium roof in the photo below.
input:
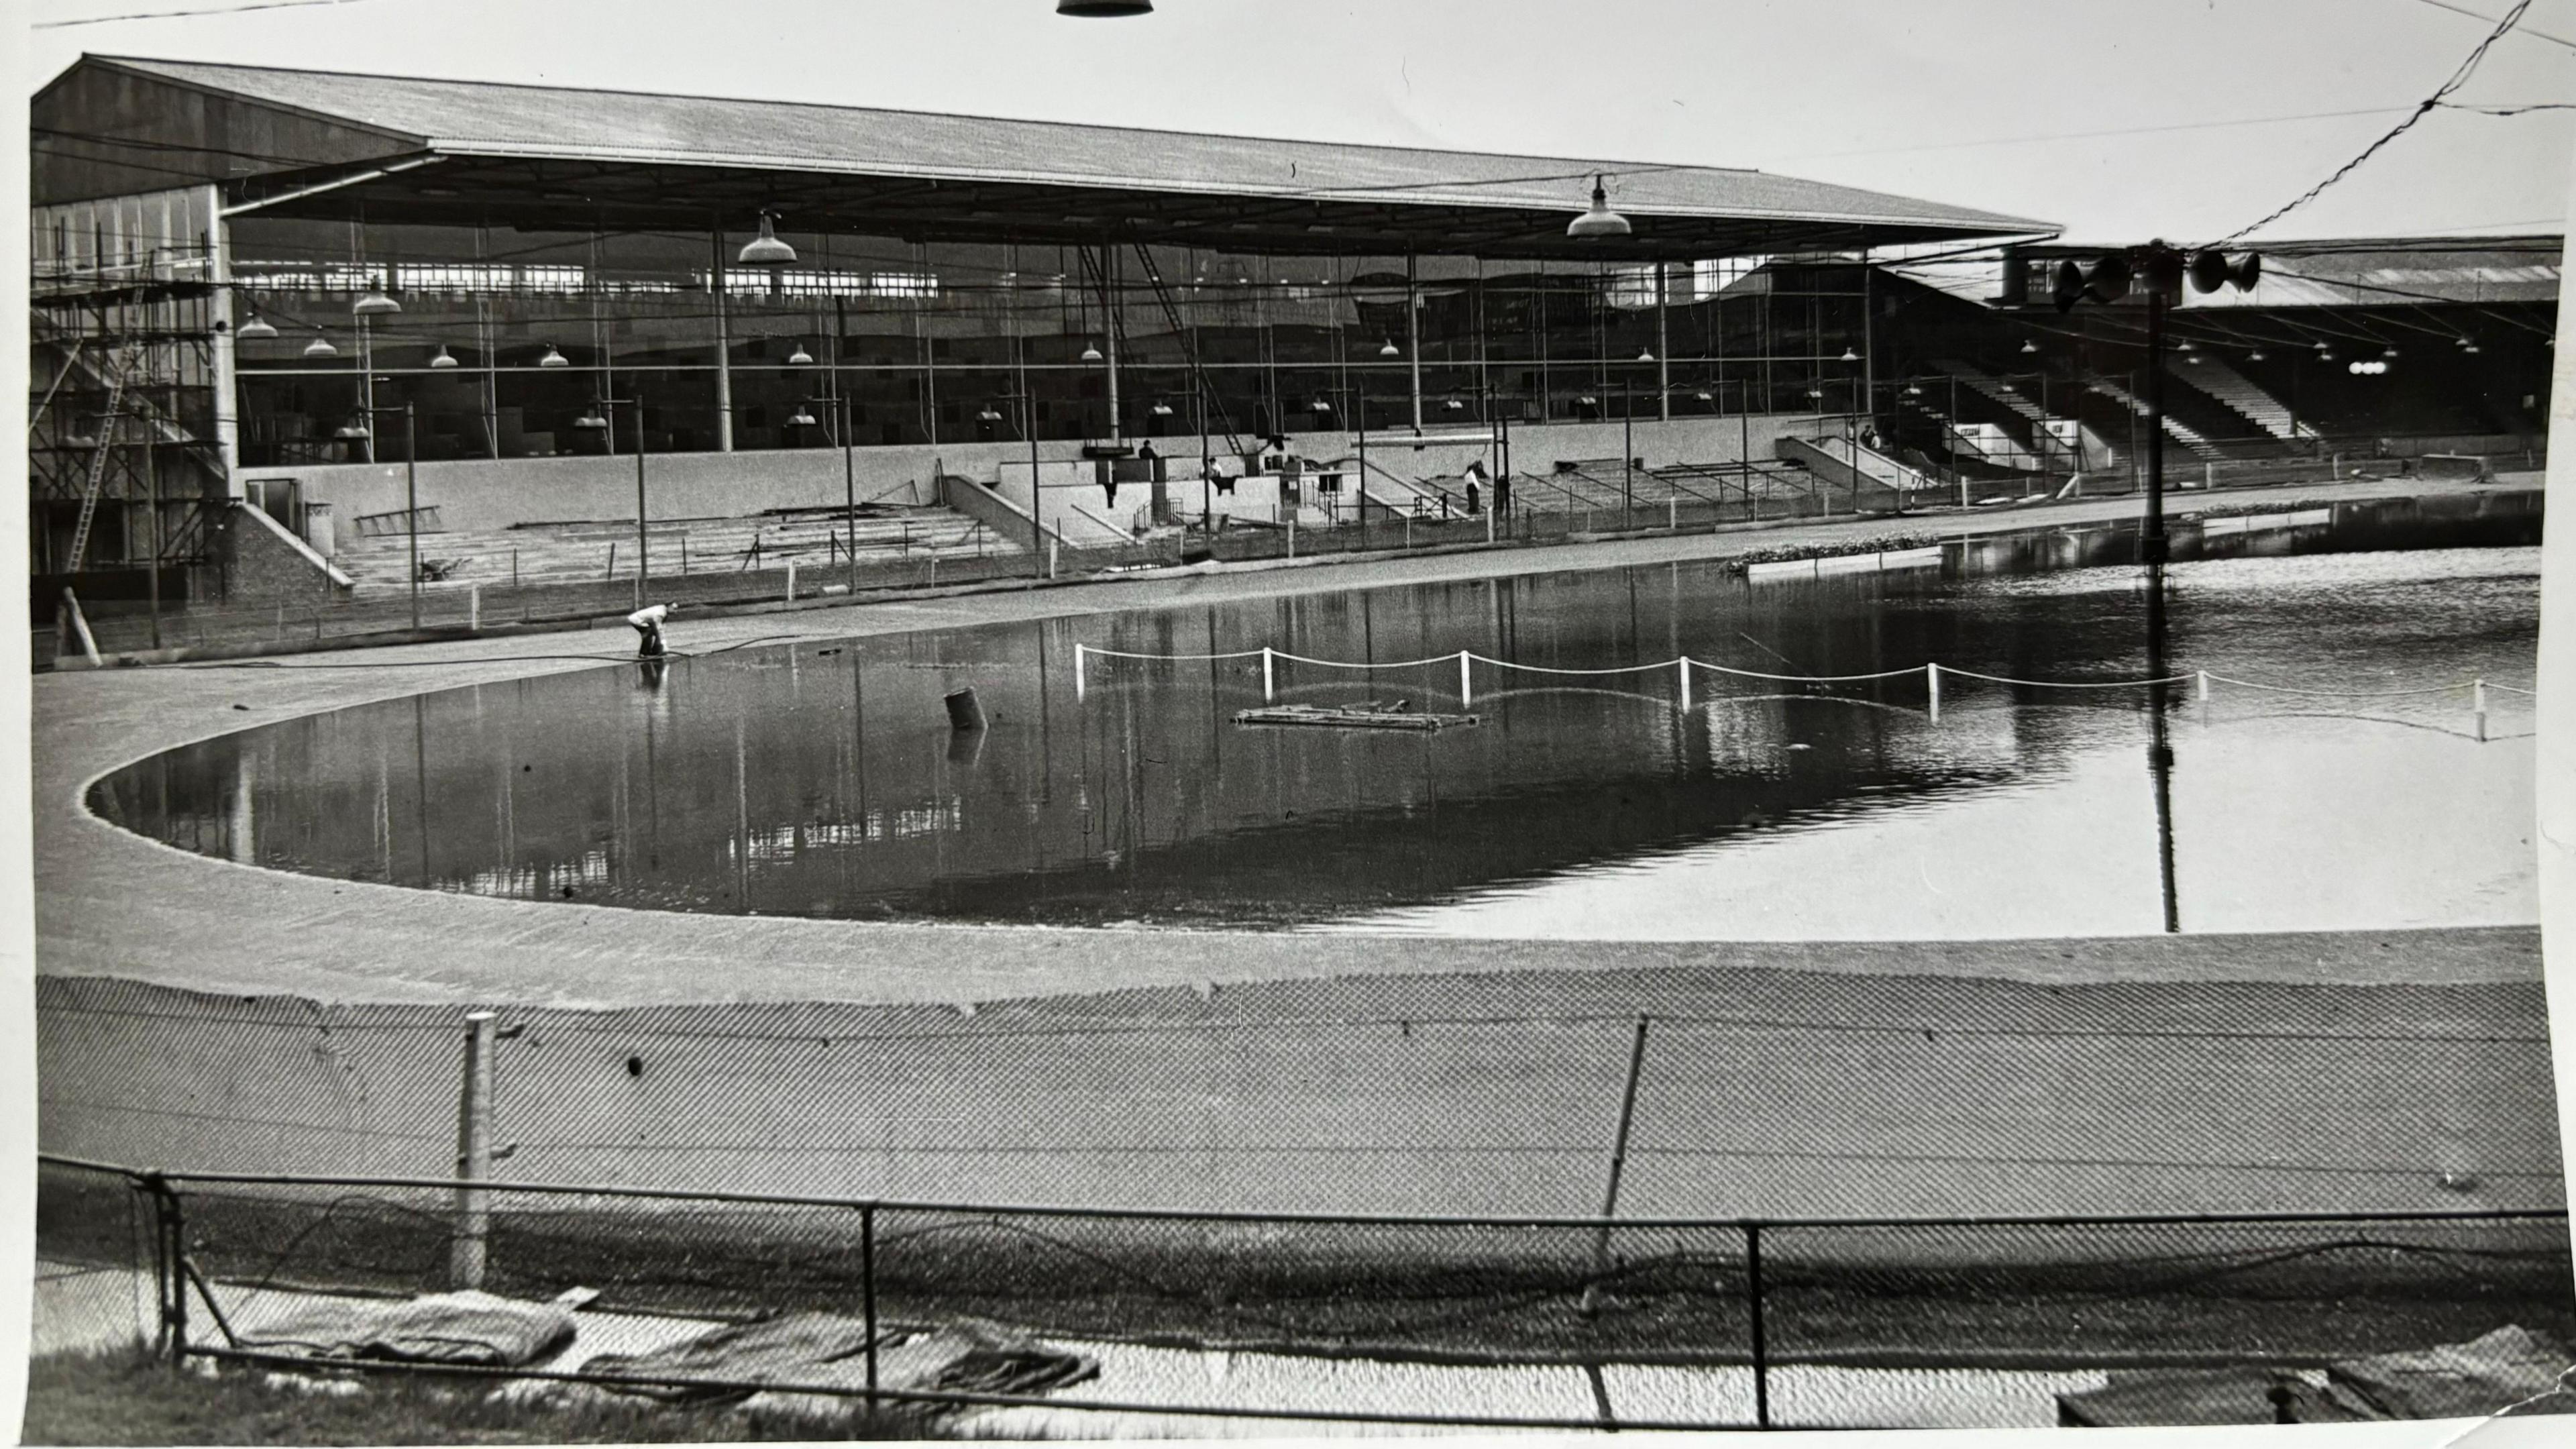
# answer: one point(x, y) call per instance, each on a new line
point(542, 156)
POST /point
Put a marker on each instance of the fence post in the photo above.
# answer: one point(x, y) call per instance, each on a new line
point(465, 1252)
point(1466, 680)
point(1761, 1346)
point(868, 1294)
point(612, 558)
point(2478, 701)
point(791, 581)
point(1266, 692)
point(1618, 1168)
point(1932, 679)
point(1683, 664)
point(473, 610)
point(1673, 512)
point(1051, 547)
point(1077, 671)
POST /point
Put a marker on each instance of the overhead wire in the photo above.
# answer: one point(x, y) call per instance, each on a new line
point(2459, 77)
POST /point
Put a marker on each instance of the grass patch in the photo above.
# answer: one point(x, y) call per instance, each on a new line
point(121, 1397)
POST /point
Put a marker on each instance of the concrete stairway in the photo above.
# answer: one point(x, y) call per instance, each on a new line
point(2193, 441)
point(553, 553)
point(2241, 394)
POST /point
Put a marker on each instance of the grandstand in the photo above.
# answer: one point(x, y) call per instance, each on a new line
point(549, 318)
point(283, 290)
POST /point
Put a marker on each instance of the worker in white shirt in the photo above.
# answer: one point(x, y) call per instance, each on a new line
point(647, 623)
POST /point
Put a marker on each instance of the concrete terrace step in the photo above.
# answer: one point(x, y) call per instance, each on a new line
point(582, 552)
point(2240, 393)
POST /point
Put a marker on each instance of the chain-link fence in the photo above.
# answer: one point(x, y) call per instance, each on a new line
point(1669, 1322)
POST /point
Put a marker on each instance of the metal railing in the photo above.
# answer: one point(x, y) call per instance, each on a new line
point(1762, 1313)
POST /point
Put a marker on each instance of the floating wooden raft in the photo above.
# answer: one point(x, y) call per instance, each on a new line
point(1366, 715)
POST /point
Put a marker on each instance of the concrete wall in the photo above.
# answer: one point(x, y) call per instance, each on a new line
point(478, 495)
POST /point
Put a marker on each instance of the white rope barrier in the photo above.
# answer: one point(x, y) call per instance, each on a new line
point(1682, 666)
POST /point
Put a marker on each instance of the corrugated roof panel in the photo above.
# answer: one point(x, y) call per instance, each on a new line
point(486, 118)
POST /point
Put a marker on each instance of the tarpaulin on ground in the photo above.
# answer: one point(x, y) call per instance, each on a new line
point(2484, 1376)
point(824, 1350)
point(471, 1328)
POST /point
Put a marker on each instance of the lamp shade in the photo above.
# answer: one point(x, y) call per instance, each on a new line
point(1645, 354)
point(351, 431)
point(1090, 353)
point(594, 421)
point(1389, 349)
point(375, 304)
point(1162, 410)
point(1597, 220)
point(320, 346)
point(766, 250)
point(800, 357)
point(257, 328)
point(1322, 406)
point(990, 415)
point(1104, 9)
point(553, 358)
point(2029, 347)
point(800, 419)
point(1851, 356)
point(2254, 356)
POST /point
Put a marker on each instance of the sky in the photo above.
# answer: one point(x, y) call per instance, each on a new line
point(2186, 119)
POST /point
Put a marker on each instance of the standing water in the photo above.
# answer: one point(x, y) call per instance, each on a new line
point(822, 778)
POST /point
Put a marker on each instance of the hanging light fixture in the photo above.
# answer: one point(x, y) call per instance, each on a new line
point(766, 250)
point(1647, 354)
point(375, 304)
point(596, 420)
point(444, 359)
point(553, 358)
point(1322, 406)
point(1161, 410)
point(1090, 353)
point(1104, 9)
point(2462, 342)
point(1851, 356)
point(800, 357)
point(1587, 401)
point(257, 329)
point(352, 431)
point(2029, 346)
point(989, 414)
point(1912, 389)
point(1598, 220)
point(2388, 351)
point(1389, 349)
point(2324, 353)
point(2254, 356)
point(2321, 349)
point(320, 346)
point(800, 418)
point(2469, 348)
point(1454, 406)
point(1706, 397)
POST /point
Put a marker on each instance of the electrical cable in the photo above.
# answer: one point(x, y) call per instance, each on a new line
point(2459, 77)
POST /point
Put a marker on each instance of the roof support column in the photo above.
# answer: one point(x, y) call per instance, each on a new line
point(1413, 332)
point(1109, 316)
point(724, 349)
point(219, 270)
point(1663, 344)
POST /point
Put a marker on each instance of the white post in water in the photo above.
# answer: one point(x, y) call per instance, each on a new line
point(1684, 664)
point(2203, 683)
point(1466, 681)
point(465, 1252)
point(474, 607)
point(1077, 671)
point(1673, 512)
point(1051, 546)
point(1932, 679)
point(791, 580)
point(1266, 692)
point(2478, 701)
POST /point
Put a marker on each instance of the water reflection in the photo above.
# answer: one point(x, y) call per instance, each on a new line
point(825, 780)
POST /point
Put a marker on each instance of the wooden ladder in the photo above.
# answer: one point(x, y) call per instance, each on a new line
point(107, 426)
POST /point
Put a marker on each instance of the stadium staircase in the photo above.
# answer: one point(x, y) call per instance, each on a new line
point(2194, 442)
point(581, 552)
point(2241, 395)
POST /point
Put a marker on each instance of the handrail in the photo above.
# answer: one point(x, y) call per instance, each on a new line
point(152, 1176)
